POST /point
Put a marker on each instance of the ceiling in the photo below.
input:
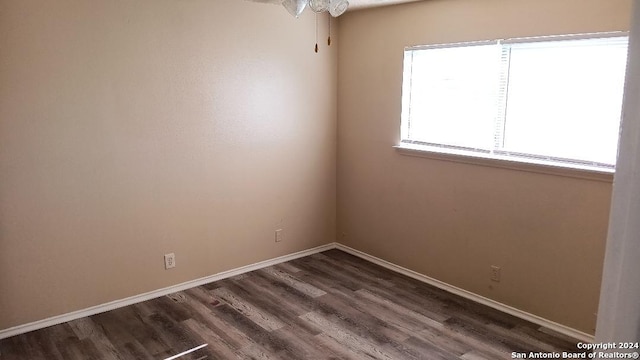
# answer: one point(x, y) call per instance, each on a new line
point(362, 4)
point(353, 4)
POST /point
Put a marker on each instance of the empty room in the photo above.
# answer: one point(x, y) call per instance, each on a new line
point(319, 179)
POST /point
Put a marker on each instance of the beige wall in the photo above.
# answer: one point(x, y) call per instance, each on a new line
point(130, 129)
point(448, 220)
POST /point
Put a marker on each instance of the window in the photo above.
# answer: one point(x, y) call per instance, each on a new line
point(554, 100)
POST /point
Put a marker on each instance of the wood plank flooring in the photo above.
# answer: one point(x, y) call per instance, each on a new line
point(326, 306)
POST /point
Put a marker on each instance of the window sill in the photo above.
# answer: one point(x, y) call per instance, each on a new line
point(529, 165)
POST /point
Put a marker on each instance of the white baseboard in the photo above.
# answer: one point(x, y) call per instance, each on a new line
point(553, 326)
point(40, 324)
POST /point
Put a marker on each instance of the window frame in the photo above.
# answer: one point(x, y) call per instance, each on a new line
point(498, 157)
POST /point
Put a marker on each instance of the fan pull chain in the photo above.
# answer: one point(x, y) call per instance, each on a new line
point(329, 38)
point(316, 33)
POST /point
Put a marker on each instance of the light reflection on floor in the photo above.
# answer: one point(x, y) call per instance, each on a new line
point(189, 352)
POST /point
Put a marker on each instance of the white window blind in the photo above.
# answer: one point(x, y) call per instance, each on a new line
point(556, 99)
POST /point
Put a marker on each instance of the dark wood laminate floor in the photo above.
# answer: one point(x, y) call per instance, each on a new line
point(325, 306)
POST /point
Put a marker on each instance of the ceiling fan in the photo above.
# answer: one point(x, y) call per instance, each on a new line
point(296, 7)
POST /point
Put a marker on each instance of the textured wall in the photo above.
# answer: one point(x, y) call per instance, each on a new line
point(130, 129)
point(448, 220)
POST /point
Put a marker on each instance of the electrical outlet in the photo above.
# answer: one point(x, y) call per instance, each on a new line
point(279, 235)
point(495, 273)
point(169, 261)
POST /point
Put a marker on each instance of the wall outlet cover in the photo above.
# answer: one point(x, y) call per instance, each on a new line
point(169, 261)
